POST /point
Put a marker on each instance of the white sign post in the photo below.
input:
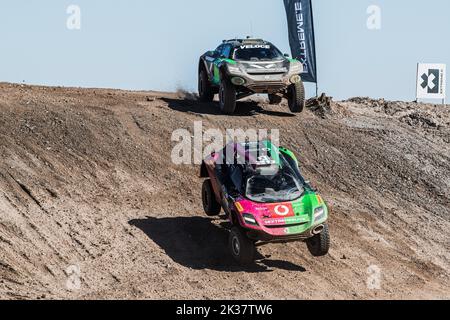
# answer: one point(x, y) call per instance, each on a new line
point(431, 81)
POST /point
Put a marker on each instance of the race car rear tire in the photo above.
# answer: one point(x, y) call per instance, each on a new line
point(205, 91)
point(296, 97)
point(210, 205)
point(227, 97)
point(319, 245)
point(242, 248)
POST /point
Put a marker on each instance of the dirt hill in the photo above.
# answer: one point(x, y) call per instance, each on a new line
point(86, 184)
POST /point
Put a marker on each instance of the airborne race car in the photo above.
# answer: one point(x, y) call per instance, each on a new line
point(265, 198)
point(240, 68)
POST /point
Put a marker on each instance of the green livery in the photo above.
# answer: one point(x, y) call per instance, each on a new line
point(239, 68)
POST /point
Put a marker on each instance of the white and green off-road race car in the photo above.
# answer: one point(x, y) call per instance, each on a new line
point(242, 67)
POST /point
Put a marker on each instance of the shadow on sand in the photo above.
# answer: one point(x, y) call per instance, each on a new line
point(198, 243)
point(243, 108)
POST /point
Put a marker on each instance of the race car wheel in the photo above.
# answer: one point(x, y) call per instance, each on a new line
point(227, 97)
point(242, 248)
point(205, 91)
point(319, 245)
point(274, 99)
point(296, 97)
point(210, 205)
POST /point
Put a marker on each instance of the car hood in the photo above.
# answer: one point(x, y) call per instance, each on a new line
point(265, 66)
point(301, 207)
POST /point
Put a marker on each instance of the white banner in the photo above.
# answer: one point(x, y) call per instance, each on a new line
point(431, 81)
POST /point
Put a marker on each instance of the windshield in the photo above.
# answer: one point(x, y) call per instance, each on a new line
point(283, 186)
point(257, 53)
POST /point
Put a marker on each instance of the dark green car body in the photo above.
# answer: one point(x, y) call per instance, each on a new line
point(240, 68)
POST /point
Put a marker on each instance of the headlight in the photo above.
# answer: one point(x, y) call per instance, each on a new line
point(295, 79)
point(234, 69)
point(238, 81)
point(319, 213)
point(296, 67)
point(249, 219)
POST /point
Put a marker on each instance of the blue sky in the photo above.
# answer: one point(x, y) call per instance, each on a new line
point(141, 44)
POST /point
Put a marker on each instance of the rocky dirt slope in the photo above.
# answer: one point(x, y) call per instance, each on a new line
point(86, 184)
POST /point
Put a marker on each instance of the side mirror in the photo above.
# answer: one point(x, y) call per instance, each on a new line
point(287, 55)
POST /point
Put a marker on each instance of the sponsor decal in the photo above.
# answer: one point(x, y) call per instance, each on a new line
point(265, 161)
point(268, 66)
point(284, 221)
point(255, 46)
point(282, 210)
point(274, 222)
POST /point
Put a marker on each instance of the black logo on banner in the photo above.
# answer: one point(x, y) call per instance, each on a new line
point(431, 81)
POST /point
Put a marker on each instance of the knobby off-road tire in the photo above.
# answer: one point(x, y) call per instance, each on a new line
point(242, 248)
point(319, 245)
point(296, 97)
point(227, 97)
point(210, 205)
point(205, 91)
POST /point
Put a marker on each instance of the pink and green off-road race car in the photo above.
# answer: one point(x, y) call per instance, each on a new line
point(265, 198)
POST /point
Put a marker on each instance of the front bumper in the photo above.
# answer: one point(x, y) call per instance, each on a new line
point(263, 237)
point(265, 82)
point(282, 230)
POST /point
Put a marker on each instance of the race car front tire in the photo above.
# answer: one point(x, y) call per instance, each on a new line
point(227, 97)
point(296, 97)
point(210, 205)
point(242, 248)
point(319, 245)
point(205, 91)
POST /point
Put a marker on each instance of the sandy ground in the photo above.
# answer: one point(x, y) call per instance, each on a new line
point(87, 187)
